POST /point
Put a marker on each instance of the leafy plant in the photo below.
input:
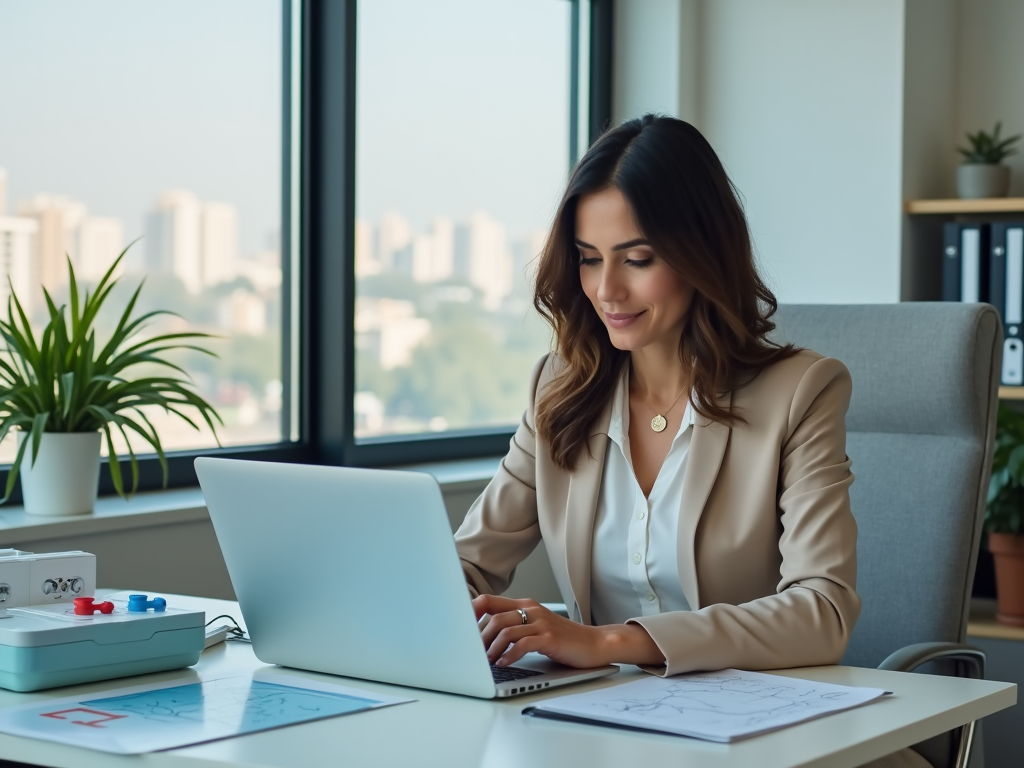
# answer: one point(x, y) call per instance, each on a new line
point(68, 382)
point(1004, 512)
point(987, 148)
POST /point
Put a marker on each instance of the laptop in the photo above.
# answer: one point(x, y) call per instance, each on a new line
point(354, 572)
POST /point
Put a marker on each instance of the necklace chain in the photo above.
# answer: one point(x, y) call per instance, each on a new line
point(659, 422)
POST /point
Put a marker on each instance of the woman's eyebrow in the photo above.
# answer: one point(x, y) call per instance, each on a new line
point(620, 247)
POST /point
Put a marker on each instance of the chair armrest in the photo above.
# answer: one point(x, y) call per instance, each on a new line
point(558, 608)
point(910, 657)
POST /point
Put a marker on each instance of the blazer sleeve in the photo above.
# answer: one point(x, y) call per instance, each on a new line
point(501, 530)
point(809, 619)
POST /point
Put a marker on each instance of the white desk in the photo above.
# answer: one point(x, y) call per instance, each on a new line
point(458, 732)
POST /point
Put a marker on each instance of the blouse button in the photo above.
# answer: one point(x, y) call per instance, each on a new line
point(641, 515)
point(637, 559)
point(650, 597)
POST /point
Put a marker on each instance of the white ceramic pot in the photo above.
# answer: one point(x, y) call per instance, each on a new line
point(65, 477)
point(980, 180)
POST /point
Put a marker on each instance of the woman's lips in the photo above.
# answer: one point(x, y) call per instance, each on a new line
point(621, 319)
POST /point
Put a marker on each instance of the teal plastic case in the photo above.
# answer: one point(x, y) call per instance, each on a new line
point(46, 646)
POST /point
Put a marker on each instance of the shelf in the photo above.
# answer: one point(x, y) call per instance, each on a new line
point(1011, 393)
point(987, 205)
point(982, 623)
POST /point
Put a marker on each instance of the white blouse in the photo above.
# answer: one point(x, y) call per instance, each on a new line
point(635, 569)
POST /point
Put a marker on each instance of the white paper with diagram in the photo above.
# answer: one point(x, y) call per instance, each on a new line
point(718, 706)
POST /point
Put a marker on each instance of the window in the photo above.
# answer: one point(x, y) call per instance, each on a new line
point(462, 149)
point(354, 212)
point(467, 122)
point(157, 125)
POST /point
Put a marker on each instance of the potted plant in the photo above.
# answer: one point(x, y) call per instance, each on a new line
point(67, 391)
point(1004, 515)
point(982, 173)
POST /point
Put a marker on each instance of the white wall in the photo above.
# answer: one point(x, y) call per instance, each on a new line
point(929, 161)
point(991, 74)
point(930, 99)
point(803, 100)
point(648, 66)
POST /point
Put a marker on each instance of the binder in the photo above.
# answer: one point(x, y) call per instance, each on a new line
point(1006, 293)
point(965, 263)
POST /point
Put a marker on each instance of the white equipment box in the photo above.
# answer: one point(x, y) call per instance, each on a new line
point(53, 577)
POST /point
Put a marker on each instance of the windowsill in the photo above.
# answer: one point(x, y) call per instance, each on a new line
point(185, 505)
point(460, 475)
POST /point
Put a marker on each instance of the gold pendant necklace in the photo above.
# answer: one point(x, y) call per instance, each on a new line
point(659, 422)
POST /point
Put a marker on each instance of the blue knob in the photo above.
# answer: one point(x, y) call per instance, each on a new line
point(142, 603)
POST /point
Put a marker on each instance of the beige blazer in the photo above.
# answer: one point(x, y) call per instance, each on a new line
point(767, 542)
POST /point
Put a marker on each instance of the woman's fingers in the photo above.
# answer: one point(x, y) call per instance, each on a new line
point(498, 623)
point(519, 649)
point(496, 604)
point(508, 636)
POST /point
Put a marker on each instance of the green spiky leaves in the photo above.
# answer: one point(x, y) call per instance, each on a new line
point(988, 148)
point(68, 382)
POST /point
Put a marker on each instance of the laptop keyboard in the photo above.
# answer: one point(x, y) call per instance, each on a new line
point(508, 674)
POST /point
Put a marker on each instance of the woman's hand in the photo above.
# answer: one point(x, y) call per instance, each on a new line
point(507, 639)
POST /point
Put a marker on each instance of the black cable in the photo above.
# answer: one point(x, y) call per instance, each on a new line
point(236, 631)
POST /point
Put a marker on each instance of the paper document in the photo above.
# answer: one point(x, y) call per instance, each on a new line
point(717, 706)
point(149, 718)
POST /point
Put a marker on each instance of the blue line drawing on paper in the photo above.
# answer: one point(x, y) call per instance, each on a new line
point(740, 702)
point(242, 704)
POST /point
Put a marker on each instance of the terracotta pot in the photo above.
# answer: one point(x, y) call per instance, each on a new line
point(1008, 552)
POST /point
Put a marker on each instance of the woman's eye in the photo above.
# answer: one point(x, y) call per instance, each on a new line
point(639, 263)
point(588, 262)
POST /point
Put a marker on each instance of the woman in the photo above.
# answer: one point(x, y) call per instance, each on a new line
point(688, 476)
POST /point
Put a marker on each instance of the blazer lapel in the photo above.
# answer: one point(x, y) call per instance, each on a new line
point(707, 450)
point(581, 509)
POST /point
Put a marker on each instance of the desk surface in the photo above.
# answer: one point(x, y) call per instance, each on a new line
point(459, 732)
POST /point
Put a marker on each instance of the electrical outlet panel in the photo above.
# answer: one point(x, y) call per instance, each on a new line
point(27, 578)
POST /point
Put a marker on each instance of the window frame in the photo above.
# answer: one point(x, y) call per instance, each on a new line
point(341, 446)
point(324, 359)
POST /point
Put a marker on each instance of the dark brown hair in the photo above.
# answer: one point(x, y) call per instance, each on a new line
point(686, 207)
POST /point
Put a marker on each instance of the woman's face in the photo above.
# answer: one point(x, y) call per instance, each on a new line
point(640, 299)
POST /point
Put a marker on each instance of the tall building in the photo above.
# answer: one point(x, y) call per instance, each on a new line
point(58, 218)
point(421, 258)
point(17, 248)
point(433, 253)
point(393, 238)
point(219, 246)
point(173, 238)
point(526, 254)
point(100, 240)
point(484, 257)
point(367, 262)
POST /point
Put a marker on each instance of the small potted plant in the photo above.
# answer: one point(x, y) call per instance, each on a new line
point(67, 391)
point(982, 173)
point(1004, 515)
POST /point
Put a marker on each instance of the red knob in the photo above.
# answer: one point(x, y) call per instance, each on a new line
point(84, 606)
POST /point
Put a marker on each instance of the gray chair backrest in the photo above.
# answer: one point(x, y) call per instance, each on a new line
point(920, 431)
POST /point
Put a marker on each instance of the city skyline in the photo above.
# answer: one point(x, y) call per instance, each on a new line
point(195, 241)
point(477, 250)
point(186, 150)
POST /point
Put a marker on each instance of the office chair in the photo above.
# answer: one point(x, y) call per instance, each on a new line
point(921, 428)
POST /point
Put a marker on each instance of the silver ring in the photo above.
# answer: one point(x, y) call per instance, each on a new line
point(522, 613)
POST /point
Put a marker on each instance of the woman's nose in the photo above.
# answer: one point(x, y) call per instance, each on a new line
point(611, 287)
